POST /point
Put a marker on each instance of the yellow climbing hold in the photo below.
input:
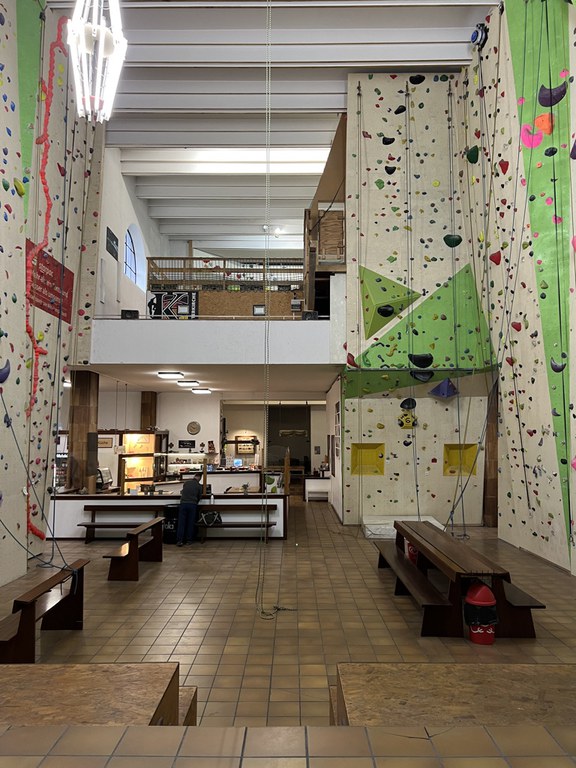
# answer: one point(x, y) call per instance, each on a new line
point(19, 187)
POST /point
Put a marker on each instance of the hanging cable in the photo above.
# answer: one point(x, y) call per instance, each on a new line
point(409, 229)
point(264, 613)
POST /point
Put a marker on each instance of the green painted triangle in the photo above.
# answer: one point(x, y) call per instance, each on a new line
point(29, 40)
point(449, 325)
point(382, 300)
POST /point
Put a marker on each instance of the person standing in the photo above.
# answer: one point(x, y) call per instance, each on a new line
point(188, 510)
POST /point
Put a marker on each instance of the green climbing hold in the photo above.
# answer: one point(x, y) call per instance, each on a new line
point(472, 154)
point(452, 241)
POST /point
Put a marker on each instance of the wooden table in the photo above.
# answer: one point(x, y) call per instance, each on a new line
point(461, 565)
point(89, 694)
point(447, 695)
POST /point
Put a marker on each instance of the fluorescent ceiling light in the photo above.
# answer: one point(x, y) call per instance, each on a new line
point(201, 391)
point(97, 53)
point(187, 383)
point(170, 375)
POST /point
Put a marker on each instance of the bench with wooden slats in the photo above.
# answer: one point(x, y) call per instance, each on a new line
point(264, 524)
point(58, 602)
point(124, 560)
point(112, 509)
point(411, 581)
point(440, 555)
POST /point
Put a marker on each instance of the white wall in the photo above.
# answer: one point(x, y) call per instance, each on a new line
point(176, 410)
point(120, 210)
point(318, 434)
point(244, 419)
point(210, 341)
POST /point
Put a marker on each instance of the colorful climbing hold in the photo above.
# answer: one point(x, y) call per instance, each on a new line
point(452, 241)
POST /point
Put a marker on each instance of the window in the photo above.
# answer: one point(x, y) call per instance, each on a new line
point(129, 257)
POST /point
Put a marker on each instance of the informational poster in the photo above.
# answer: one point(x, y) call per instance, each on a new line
point(175, 305)
point(52, 284)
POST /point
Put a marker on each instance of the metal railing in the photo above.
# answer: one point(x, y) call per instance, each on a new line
point(169, 273)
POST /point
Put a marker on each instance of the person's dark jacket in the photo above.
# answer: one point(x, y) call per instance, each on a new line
point(191, 492)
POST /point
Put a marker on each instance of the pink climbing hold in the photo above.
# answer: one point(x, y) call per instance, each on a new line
point(529, 138)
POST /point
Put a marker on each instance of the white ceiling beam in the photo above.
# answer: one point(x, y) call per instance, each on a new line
point(302, 38)
point(229, 103)
point(170, 194)
point(245, 208)
point(320, 122)
point(150, 138)
point(451, 52)
point(199, 207)
point(249, 227)
point(221, 188)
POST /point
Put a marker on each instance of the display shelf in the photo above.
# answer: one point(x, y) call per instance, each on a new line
point(142, 459)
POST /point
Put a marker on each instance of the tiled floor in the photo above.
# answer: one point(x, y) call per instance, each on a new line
point(212, 608)
point(286, 747)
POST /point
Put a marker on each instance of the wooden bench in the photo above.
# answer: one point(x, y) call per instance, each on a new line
point(124, 561)
point(522, 605)
point(58, 601)
point(9, 640)
point(440, 555)
point(237, 509)
point(411, 581)
point(127, 508)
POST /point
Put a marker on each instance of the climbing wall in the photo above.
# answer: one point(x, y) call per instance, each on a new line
point(461, 269)
point(416, 331)
point(386, 460)
point(12, 289)
point(43, 313)
point(514, 118)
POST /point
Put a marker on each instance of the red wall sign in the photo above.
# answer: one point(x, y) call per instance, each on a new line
point(52, 285)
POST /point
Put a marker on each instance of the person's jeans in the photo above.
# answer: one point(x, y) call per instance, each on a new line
point(187, 515)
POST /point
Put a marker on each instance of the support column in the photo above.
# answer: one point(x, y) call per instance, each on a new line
point(83, 431)
point(148, 403)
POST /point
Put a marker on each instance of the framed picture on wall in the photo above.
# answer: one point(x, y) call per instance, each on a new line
point(246, 444)
point(105, 442)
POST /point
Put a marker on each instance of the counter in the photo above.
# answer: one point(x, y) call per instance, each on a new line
point(67, 511)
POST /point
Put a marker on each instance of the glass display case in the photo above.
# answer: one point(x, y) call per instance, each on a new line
point(142, 460)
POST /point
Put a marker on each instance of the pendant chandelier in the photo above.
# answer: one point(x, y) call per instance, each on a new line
point(97, 53)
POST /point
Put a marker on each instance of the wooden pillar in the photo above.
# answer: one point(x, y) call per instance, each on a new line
point(83, 431)
point(148, 403)
point(490, 502)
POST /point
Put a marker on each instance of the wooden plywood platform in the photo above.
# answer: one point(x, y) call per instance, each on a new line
point(428, 694)
point(89, 694)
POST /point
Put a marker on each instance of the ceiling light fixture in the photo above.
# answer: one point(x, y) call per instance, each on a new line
point(187, 383)
point(276, 231)
point(96, 53)
point(201, 391)
point(67, 384)
point(170, 375)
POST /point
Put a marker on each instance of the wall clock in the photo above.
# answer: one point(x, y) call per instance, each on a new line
point(193, 428)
